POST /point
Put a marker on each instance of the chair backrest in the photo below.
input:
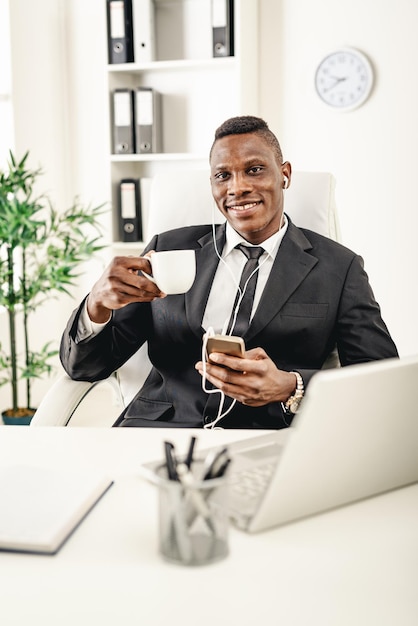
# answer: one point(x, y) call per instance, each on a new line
point(180, 197)
point(183, 198)
point(310, 202)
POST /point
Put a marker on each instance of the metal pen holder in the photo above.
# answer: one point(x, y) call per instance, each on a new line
point(193, 521)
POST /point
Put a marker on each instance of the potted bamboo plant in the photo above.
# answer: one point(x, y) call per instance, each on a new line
point(40, 253)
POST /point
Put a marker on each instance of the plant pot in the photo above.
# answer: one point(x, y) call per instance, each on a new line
point(21, 417)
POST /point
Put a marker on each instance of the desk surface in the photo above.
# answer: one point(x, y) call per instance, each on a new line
point(355, 565)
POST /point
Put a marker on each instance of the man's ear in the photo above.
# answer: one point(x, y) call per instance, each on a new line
point(287, 174)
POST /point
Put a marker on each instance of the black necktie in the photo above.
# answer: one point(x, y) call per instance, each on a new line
point(243, 316)
point(244, 312)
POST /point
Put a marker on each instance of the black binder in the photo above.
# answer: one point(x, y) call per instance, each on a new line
point(223, 28)
point(130, 214)
point(147, 120)
point(123, 121)
point(120, 31)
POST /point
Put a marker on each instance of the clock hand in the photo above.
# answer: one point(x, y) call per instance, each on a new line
point(337, 80)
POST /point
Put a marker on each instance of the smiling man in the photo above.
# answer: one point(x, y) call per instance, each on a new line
point(292, 294)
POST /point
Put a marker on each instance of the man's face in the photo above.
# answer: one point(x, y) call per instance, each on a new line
point(247, 182)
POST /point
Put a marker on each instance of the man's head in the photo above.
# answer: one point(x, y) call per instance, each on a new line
point(248, 177)
point(248, 124)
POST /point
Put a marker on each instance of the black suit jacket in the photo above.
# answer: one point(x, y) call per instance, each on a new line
point(317, 297)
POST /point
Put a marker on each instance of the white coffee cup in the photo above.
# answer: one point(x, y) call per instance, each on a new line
point(173, 271)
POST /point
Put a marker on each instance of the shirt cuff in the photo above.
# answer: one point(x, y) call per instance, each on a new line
point(86, 327)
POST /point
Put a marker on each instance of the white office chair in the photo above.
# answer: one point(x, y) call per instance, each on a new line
point(183, 198)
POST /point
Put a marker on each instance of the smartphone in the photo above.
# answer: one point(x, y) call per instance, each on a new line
point(227, 344)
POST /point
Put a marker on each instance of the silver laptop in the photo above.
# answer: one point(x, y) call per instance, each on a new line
point(356, 435)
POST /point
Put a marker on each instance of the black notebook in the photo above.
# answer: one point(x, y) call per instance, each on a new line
point(40, 507)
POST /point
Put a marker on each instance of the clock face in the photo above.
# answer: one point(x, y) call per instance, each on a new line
point(344, 79)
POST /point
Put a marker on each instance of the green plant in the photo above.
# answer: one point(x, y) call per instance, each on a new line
point(40, 252)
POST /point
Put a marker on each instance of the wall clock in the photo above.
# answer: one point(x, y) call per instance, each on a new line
point(344, 79)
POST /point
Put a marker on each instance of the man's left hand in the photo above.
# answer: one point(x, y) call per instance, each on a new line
point(253, 380)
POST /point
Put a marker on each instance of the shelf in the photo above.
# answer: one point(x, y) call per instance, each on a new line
point(170, 66)
point(157, 157)
point(129, 245)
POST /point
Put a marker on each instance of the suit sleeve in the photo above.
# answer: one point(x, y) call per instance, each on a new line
point(361, 334)
point(98, 356)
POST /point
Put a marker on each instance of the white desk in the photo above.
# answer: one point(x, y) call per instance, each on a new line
point(354, 566)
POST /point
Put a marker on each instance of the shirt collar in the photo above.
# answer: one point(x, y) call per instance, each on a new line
point(270, 245)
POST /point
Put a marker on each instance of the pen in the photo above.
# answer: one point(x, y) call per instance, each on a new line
point(191, 513)
point(212, 463)
point(178, 520)
point(220, 471)
point(189, 457)
point(200, 505)
point(180, 528)
point(170, 460)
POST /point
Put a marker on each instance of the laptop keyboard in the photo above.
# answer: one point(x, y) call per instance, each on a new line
point(252, 482)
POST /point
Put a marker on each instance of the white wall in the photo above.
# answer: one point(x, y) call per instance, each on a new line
point(371, 150)
point(59, 91)
point(58, 78)
point(6, 110)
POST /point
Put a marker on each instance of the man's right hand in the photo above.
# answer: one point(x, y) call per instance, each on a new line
point(119, 285)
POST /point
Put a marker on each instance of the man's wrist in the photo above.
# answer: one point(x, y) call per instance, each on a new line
point(98, 315)
point(293, 402)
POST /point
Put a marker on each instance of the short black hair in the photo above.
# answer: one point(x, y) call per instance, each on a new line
point(248, 124)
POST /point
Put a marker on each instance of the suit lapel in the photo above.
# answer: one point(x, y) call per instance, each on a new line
point(290, 268)
point(206, 264)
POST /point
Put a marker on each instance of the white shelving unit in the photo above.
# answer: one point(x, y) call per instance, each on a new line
point(198, 92)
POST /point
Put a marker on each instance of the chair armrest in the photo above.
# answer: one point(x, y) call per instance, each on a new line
point(63, 398)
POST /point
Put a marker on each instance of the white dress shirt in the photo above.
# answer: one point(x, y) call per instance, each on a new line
point(226, 281)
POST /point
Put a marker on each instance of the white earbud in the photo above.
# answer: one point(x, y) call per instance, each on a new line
point(285, 183)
